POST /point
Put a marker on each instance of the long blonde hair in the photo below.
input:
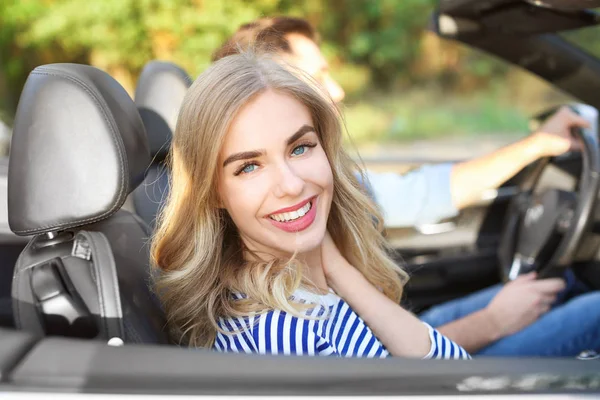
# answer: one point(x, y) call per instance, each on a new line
point(197, 248)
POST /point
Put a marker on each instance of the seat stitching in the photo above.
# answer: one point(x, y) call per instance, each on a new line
point(111, 123)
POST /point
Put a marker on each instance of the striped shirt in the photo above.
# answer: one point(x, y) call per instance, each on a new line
point(332, 329)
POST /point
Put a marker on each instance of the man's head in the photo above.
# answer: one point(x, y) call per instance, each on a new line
point(292, 38)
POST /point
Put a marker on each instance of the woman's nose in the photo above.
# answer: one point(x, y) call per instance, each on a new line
point(289, 183)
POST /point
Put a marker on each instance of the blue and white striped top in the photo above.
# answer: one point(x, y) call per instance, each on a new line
point(340, 332)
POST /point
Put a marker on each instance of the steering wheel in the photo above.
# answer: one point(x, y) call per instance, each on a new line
point(543, 229)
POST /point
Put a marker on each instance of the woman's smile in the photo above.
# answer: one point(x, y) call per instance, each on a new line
point(296, 218)
point(276, 177)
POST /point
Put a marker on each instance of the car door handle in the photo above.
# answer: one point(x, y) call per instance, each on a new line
point(436, 229)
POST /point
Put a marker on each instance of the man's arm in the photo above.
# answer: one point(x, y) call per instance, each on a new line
point(435, 192)
point(471, 178)
point(419, 197)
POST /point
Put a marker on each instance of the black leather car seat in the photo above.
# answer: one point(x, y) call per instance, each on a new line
point(79, 148)
point(159, 93)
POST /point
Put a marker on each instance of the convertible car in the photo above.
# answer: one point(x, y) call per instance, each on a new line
point(85, 179)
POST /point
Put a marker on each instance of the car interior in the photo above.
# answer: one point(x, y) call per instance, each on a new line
point(158, 96)
point(52, 290)
point(87, 174)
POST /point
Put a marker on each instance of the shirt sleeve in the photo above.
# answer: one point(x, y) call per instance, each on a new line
point(444, 348)
point(419, 197)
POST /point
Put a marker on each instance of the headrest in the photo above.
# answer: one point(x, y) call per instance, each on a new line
point(159, 94)
point(78, 149)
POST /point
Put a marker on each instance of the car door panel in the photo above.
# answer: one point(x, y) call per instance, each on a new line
point(13, 346)
point(70, 365)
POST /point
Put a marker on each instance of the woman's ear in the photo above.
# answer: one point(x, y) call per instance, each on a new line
point(220, 203)
point(218, 198)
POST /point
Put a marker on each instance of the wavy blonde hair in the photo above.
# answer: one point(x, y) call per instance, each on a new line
point(196, 247)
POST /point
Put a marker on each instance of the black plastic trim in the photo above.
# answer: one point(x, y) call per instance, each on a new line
point(550, 57)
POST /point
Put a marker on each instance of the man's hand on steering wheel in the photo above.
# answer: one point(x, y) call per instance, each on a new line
point(554, 136)
point(545, 225)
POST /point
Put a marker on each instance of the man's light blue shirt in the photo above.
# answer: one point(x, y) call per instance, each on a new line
point(422, 196)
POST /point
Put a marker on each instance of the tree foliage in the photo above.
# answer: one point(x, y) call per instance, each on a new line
point(385, 38)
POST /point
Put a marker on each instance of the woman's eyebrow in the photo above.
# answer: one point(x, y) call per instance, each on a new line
point(246, 155)
point(299, 133)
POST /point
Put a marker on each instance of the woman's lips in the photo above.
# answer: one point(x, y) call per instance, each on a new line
point(300, 223)
point(293, 208)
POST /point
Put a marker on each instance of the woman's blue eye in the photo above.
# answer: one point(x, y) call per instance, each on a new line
point(249, 168)
point(298, 151)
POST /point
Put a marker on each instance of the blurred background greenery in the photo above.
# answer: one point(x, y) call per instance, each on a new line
point(402, 82)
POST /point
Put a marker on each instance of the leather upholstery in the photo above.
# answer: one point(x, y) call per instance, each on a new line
point(79, 147)
point(159, 95)
point(149, 197)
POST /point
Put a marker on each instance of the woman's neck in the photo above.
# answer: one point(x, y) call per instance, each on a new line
point(314, 274)
point(312, 259)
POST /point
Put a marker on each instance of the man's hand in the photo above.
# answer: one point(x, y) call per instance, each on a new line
point(521, 302)
point(554, 137)
point(470, 179)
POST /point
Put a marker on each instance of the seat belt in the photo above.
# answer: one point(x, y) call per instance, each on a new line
point(61, 307)
point(94, 247)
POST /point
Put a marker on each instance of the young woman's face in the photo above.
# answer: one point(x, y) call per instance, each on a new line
point(275, 180)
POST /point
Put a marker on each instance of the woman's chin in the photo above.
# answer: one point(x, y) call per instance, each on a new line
point(302, 243)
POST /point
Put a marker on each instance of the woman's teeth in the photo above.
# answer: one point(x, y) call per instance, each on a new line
point(290, 216)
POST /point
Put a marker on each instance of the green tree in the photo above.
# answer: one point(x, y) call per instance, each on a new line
point(366, 40)
point(384, 35)
point(119, 36)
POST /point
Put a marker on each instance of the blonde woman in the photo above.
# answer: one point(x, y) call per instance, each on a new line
point(267, 242)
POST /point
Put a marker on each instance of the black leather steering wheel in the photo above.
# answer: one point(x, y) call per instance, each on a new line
point(543, 229)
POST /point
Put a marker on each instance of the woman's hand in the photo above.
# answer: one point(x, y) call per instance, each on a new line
point(400, 331)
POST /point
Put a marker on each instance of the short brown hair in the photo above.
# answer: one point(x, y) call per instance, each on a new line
point(266, 34)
